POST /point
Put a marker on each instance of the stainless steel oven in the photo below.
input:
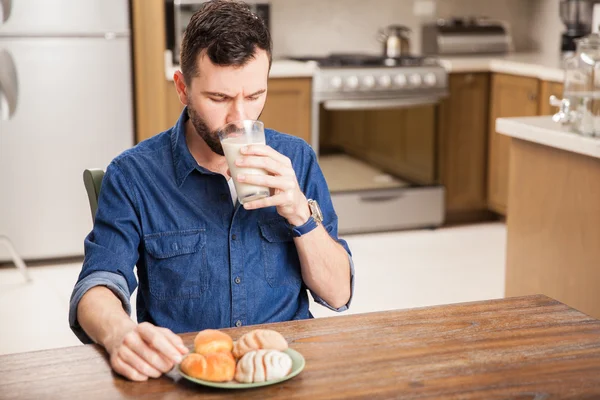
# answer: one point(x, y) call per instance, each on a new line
point(179, 12)
point(374, 130)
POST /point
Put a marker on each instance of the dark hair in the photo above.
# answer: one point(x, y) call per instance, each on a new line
point(228, 31)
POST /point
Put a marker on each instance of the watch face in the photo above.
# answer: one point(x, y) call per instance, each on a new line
point(315, 210)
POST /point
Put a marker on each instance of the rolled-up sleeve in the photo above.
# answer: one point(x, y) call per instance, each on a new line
point(347, 305)
point(112, 247)
point(115, 282)
point(315, 187)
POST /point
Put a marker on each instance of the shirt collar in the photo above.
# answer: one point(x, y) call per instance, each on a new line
point(183, 161)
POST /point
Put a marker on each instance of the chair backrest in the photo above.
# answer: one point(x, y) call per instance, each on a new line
point(92, 179)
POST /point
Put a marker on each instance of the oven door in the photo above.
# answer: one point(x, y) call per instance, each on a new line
point(379, 159)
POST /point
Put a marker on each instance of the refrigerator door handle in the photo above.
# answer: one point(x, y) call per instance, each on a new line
point(9, 86)
point(5, 8)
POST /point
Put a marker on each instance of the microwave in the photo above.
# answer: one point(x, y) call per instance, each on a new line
point(179, 12)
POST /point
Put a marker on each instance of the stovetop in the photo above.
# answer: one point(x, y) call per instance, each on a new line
point(358, 60)
point(341, 75)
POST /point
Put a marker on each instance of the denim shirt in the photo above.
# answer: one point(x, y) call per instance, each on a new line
point(201, 261)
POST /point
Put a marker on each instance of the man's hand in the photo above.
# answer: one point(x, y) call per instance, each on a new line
point(286, 195)
point(144, 351)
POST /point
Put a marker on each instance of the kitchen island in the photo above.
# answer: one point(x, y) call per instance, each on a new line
point(553, 223)
point(518, 348)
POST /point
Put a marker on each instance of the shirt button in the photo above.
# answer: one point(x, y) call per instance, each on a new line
point(238, 323)
point(233, 237)
point(238, 280)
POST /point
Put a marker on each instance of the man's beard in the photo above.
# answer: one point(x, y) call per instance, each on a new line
point(211, 138)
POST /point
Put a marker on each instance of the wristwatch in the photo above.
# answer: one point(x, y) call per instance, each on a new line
point(315, 219)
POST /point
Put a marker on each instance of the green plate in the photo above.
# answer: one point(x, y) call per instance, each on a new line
point(297, 366)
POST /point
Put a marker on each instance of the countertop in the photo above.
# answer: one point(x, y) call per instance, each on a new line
point(520, 347)
point(534, 65)
point(544, 131)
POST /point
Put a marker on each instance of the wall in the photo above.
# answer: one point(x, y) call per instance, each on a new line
point(547, 27)
point(318, 27)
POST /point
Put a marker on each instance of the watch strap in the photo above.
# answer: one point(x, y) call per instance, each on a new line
point(303, 229)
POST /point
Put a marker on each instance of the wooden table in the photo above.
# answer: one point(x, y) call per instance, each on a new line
point(520, 348)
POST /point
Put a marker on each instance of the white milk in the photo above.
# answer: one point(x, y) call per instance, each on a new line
point(245, 192)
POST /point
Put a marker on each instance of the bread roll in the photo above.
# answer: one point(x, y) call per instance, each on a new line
point(212, 341)
point(259, 339)
point(262, 365)
point(214, 367)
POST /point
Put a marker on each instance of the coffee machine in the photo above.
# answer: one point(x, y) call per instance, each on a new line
point(577, 17)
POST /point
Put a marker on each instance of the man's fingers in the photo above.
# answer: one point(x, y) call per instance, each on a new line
point(126, 370)
point(158, 341)
point(176, 340)
point(135, 361)
point(135, 342)
point(264, 150)
point(268, 164)
point(270, 181)
point(272, 201)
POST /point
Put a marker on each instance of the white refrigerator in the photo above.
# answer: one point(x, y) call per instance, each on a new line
point(66, 104)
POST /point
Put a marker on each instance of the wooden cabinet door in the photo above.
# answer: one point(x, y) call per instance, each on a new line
point(512, 96)
point(346, 130)
point(288, 106)
point(152, 90)
point(462, 143)
point(548, 89)
point(402, 141)
point(398, 141)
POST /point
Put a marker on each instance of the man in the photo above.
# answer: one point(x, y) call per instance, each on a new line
point(166, 205)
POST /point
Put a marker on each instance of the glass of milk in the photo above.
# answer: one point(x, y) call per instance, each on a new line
point(233, 137)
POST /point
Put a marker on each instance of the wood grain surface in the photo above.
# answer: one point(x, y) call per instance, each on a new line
point(519, 348)
point(553, 236)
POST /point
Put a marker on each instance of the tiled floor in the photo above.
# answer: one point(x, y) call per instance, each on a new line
point(393, 270)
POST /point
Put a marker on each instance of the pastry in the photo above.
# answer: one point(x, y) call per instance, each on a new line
point(212, 341)
point(214, 367)
point(262, 365)
point(259, 339)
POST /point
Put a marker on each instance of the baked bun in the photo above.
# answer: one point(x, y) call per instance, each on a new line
point(212, 341)
point(259, 339)
point(262, 365)
point(214, 367)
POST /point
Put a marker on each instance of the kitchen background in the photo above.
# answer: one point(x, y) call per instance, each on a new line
point(321, 26)
point(394, 269)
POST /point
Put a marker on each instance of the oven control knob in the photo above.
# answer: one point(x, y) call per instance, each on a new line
point(385, 81)
point(430, 79)
point(400, 80)
point(416, 80)
point(336, 82)
point(369, 82)
point(352, 82)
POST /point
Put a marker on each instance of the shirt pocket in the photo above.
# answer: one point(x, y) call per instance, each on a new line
point(176, 263)
point(279, 254)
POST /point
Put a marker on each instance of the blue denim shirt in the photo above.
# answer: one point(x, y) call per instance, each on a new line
point(201, 261)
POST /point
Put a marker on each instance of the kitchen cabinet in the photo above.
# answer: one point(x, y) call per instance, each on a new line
point(462, 144)
point(288, 106)
point(511, 96)
point(403, 142)
point(152, 90)
point(548, 89)
point(398, 141)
